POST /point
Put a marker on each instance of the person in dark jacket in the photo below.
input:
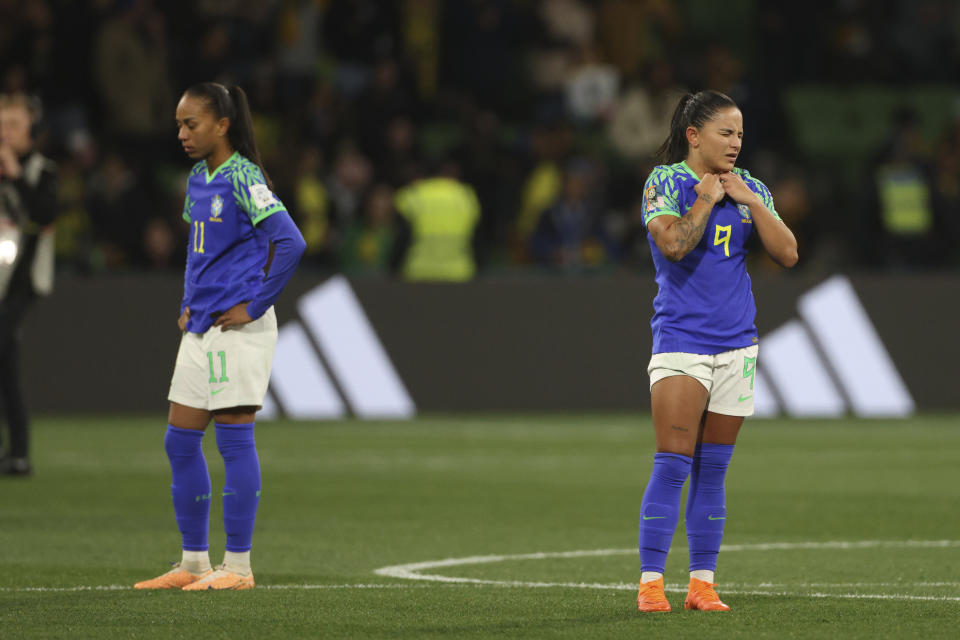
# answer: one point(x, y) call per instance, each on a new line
point(28, 206)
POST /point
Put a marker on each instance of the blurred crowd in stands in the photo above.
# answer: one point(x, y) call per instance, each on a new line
point(550, 111)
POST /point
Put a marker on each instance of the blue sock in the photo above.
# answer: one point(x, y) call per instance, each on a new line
point(660, 509)
point(191, 486)
point(706, 504)
point(241, 487)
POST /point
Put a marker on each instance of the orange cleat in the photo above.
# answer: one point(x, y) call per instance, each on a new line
point(220, 578)
point(176, 578)
point(651, 597)
point(700, 595)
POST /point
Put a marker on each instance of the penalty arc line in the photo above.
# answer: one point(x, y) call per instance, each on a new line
point(411, 571)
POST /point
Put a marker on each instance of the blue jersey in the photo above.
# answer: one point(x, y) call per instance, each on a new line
point(704, 302)
point(226, 255)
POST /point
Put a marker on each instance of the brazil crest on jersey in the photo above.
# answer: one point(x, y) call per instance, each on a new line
point(704, 302)
point(226, 255)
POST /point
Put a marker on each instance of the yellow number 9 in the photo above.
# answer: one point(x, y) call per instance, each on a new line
point(723, 238)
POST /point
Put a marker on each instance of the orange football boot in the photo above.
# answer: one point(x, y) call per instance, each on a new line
point(700, 595)
point(222, 579)
point(176, 578)
point(651, 597)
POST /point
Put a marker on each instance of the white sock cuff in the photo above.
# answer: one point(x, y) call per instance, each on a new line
point(195, 561)
point(237, 562)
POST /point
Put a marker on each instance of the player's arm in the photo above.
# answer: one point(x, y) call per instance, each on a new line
point(676, 237)
point(289, 246)
point(775, 235)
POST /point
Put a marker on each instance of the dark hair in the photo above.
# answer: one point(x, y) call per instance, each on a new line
point(231, 103)
point(694, 110)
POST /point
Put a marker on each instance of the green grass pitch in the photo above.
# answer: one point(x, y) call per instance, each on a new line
point(344, 499)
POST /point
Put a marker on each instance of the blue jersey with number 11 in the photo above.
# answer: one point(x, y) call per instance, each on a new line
point(226, 256)
point(704, 302)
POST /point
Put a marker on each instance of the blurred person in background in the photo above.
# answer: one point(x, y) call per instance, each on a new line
point(119, 206)
point(28, 206)
point(367, 244)
point(346, 188)
point(549, 143)
point(570, 235)
point(437, 223)
point(310, 196)
point(947, 192)
point(899, 199)
point(700, 211)
point(244, 248)
point(132, 77)
point(641, 117)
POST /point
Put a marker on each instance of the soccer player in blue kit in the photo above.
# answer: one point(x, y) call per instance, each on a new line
point(229, 331)
point(700, 210)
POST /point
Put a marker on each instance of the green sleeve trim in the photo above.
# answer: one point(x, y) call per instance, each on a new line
point(266, 214)
point(657, 214)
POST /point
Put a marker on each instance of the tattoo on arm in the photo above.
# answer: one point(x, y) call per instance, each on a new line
point(677, 427)
point(686, 232)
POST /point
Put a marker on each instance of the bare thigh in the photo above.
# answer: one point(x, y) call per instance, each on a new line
point(184, 417)
point(720, 429)
point(678, 404)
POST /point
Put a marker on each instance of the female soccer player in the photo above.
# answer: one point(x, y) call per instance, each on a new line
point(223, 365)
point(699, 211)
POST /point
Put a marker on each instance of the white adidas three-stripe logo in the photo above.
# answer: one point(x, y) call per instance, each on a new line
point(333, 324)
point(829, 361)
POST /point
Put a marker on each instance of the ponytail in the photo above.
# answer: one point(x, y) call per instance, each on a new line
point(232, 104)
point(693, 110)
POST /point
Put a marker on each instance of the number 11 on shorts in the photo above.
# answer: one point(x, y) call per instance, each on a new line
point(223, 367)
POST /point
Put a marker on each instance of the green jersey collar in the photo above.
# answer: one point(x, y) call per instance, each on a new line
point(228, 161)
point(683, 163)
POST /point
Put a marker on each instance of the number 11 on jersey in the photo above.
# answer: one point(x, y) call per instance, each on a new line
point(198, 236)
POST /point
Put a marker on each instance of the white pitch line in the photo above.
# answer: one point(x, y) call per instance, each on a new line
point(672, 588)
point(292, 587)
point(100, 587)
point(411, 571)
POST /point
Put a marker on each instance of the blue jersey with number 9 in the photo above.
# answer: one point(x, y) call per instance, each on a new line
point(226, 256)
point(704, 302)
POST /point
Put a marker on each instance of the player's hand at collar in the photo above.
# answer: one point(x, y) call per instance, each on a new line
point(734, 186)
point(710, 188)
point(235, 316)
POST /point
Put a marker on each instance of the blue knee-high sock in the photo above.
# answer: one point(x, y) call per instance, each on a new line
point(191, 486)
point(241, 489)
point(660, 509)
point(706, 504)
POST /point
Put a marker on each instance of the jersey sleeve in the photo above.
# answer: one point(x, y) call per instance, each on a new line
point(660, 195)
point(187, 206)
point(188, 202)
point(253, 195)
point(761, 190)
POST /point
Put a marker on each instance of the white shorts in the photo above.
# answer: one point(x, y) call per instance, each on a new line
point(727, 376)
point(222, 369)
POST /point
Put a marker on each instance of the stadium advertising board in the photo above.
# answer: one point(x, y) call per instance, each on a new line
point(861, 345)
